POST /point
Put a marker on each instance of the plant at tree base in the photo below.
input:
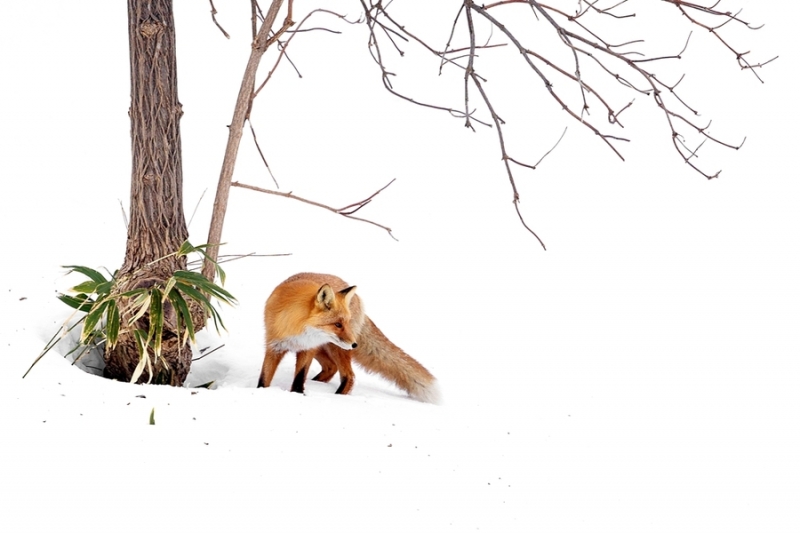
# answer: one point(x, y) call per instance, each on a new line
point(141, 312)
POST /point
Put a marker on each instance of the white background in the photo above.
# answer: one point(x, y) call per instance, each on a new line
point(639, 375)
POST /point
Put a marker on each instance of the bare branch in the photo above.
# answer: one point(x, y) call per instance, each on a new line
point(498, 124)
point(346, 211)
point(575, 80)
point(625, 62)
point(727, 16)
point(255, 11)
point(372, 13)
point(284, 45)
point(214, 18)
point(548, 85)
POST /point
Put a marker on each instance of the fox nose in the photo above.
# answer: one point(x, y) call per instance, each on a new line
point(355, 345)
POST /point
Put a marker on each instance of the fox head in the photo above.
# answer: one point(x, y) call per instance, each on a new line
point(331, 315)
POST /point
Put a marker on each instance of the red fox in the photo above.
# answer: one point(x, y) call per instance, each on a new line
point(319, 316)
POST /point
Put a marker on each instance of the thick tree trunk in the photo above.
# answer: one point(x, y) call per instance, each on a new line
point(157, 225)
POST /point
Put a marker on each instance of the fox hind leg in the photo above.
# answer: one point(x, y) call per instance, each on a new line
point(329, 367)
point(342, 359)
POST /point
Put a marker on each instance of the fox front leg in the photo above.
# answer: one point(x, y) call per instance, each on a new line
point(301, 367)
point(272, 358)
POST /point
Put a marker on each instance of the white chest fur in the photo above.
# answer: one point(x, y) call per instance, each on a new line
point(308, 339)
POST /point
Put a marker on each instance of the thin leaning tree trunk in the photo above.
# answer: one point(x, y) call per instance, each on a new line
point(240, 114)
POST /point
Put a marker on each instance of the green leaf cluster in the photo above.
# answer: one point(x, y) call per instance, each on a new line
point(102, 324)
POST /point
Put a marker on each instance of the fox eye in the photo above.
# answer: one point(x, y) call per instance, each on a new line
point(338, 325)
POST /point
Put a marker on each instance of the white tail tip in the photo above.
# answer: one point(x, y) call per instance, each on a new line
point(429, 393)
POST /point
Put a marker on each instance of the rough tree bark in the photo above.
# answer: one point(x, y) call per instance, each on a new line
point(157, 225)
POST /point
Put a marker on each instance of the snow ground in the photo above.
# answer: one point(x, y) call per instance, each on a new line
point(640, 375)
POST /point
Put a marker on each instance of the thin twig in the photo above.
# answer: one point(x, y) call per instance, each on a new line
point(196, 206)
point(227, 258)
point(283, 45)
point(124, 216)
point(209, 353)
point(539, 162)
point(263, 158)
point(214, 18)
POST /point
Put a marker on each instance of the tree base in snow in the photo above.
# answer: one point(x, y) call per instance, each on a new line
point(171, 369)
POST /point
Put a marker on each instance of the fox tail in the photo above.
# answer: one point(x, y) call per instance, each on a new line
point(377, 354)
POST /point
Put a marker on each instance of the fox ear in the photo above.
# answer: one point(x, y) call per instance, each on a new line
point(324, 297)
point(348, 293)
